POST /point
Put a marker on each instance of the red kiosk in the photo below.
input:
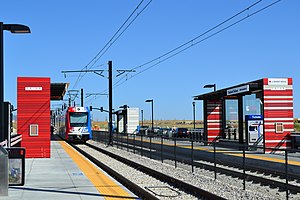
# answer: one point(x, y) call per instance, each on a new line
point(33, 103)
point(258, 113)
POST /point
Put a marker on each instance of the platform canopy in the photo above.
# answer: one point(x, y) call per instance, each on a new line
point(234, 91)
point(58, 91)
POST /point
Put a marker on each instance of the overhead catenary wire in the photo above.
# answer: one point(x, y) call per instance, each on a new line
point(193, 42)
point(112, 40)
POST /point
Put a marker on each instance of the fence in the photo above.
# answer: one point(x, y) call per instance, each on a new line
point(153, 146)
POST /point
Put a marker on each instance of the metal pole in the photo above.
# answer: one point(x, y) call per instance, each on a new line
point(127, 141)
point(194, 114)
point(110, 101)
point(244, 174)
point(175, 157)
point(142, 111)
point(192, 156)
point(81, 97)
point(152, 116)
point(286, 175)
point(161, 149)
point(141, 145)
point(150, 147)
point(1, 84)
point(134, 143)
point(215, 164)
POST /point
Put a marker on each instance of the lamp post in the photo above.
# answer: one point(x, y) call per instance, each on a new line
point(147, 101)
point(142, 112)
point(13, 28)
point(194, 114)
point(210, 86)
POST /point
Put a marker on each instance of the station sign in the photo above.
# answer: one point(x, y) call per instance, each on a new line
point(277, 81)
point(237, 90)
point(33, 88)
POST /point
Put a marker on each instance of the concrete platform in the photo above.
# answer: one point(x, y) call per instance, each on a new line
point(57, 177)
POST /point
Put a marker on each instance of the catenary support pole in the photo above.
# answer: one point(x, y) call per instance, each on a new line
point(81, 97)
point(110, 102)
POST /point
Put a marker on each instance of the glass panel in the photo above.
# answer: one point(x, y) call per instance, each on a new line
point(252, 105)
point(15, 171)
point(78, 119)
point(232, 123)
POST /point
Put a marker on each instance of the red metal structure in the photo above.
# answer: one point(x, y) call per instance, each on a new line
point(34, 115)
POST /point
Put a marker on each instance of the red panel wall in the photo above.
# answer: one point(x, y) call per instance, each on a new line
point(34, 108)
point(278, 107)
point(214, 119)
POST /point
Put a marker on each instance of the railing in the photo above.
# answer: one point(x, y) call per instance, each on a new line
point(15, 139)
point(230, 133)
point(153, 146)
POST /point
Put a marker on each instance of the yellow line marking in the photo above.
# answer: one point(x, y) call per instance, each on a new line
point(291, 162)
point(104, 184)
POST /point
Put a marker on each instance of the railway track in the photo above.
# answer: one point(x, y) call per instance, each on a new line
point(176, 187)
point(257, 174)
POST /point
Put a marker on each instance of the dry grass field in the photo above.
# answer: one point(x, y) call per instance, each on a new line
point(174, 123)
point(160, 123)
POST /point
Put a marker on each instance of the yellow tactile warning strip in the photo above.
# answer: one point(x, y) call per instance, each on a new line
point(107, 187)
point(291, 162)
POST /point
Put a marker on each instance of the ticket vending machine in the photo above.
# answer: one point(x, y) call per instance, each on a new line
point(254, 128)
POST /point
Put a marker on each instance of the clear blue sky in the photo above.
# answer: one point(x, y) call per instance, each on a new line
point(67, 34)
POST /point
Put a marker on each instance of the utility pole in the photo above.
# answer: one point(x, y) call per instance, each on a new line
point(81, 97)
point(110, 142)
point(110, 88)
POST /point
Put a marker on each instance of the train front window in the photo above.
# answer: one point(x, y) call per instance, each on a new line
point(78, 119)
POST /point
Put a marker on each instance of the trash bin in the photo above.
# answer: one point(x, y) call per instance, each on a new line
point(3, 172)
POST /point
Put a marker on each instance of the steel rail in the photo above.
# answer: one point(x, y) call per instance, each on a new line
point(140, 192)
point(234, 173)
point(191, 189)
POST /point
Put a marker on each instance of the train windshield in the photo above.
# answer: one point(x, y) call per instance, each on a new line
point(78, 119)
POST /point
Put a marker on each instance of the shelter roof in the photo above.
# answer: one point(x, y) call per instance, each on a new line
point(253, 86)
point(58, 90)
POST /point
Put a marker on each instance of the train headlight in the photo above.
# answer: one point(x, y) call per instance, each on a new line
point(85, 129)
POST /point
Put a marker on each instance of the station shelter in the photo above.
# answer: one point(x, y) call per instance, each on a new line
point(254, 113)
point(33, 117)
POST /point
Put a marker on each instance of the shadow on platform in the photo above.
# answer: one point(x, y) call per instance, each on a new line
point(69, 192)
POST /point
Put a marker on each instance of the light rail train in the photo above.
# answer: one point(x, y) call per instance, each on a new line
point(74, 124)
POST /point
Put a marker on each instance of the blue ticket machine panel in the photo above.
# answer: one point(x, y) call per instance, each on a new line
point(254, 128)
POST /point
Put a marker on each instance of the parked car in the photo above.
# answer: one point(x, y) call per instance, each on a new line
point(143, 130)
point(167, 132)
point(181, 132)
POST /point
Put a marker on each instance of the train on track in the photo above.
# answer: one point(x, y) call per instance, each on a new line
point(74, 124)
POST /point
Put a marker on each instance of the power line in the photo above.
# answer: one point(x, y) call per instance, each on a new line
point(192, 42)
point(112, 40)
